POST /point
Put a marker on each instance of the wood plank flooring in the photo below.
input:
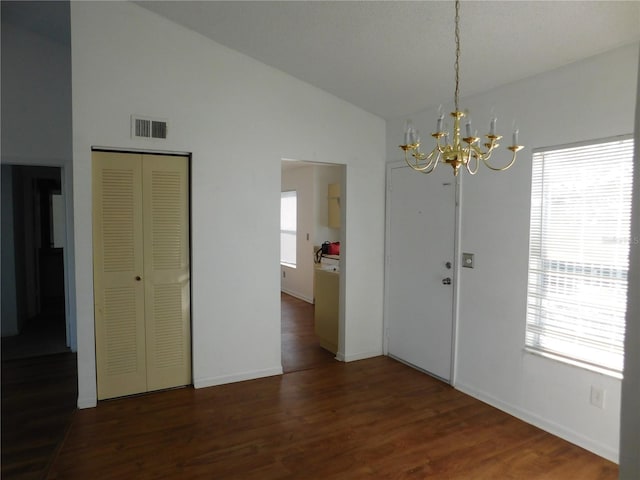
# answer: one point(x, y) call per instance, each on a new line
point(300, 346)
point(324, 419)
point(38, 400)
point(375, 419)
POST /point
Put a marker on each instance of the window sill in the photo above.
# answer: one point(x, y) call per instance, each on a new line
point(575, 363)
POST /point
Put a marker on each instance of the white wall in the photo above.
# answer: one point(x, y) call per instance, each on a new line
point(587, 100)
point(36, 119)
point(630, 413)
point(238, 118)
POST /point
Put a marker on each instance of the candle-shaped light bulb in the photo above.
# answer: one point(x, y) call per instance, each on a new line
point(515, 137)
point(415, 137)
point(492, 127)
point(408, 128)
point(440, 122)
point(468, 129)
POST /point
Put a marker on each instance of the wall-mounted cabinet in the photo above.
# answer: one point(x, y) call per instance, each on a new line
point(334, 205)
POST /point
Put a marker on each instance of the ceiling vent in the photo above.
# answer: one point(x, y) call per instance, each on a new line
point(147, 127)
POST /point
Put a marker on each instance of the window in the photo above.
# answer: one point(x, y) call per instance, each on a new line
point(579, 253)
point(288, 224)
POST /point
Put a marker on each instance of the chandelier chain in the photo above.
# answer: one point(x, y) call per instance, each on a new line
point(458, 151)
point(457, 64)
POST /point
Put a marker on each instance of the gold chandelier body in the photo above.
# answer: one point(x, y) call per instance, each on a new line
point(462, 151)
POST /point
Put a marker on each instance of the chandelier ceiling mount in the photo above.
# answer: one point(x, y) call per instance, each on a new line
point(460, 151)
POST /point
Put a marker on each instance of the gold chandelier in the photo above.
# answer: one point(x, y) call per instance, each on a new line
point(465, 151)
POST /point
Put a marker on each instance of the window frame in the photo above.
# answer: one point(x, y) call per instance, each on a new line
point(536, 290)
point(287, 194)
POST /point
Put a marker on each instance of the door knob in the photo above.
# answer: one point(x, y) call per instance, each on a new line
point(446, 281)
point(448, 265)
point(138, 278)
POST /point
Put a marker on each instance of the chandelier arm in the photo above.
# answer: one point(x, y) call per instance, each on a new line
point(418, 158)
point(441, 148)
point(479, 153)
point(433, 167)
point(491, 146)
point(500, 169)
point(475, 156)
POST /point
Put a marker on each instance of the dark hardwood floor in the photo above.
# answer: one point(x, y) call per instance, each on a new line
point(323, 419)
point(375, 418)
point(300, 347)
point(38, 400)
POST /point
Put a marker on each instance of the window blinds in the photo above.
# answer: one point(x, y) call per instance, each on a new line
point(579, 252)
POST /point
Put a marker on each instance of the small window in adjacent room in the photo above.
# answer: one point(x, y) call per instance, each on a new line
point(579, 253)
point(288, 225)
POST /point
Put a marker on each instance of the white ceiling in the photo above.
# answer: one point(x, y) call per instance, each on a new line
point(393, 58)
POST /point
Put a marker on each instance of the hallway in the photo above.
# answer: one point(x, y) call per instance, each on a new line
point(300, 347)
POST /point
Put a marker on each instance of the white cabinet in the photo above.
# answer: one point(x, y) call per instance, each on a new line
point(334, 205)
point(326, 308)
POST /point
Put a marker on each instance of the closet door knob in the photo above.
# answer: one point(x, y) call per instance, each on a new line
point(138, 278)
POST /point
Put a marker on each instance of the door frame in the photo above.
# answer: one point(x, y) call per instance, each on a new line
point(456, 264)
point(66, 188)
point(340, 354)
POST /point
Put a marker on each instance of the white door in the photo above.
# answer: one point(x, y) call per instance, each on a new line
point(420, 251)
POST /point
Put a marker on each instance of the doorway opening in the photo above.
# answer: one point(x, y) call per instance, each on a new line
point(33, 267)
point(39, 370)
point(310, 307)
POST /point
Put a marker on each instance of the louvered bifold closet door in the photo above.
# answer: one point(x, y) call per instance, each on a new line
point(117, 266)
point(166, 271)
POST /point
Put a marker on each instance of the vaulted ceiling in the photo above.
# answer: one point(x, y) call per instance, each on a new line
point(393, 58)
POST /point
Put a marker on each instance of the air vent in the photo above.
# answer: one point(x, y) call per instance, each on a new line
point(147, 127)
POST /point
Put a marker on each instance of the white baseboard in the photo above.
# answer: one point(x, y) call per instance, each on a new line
point(360, 356)
point(236, 377)
point(297, 295)
point(87, 402)
point(558, 430)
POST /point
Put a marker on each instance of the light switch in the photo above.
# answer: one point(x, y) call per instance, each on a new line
point(467, 260)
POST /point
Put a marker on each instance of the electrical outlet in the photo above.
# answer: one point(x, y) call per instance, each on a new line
point(597, 397)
